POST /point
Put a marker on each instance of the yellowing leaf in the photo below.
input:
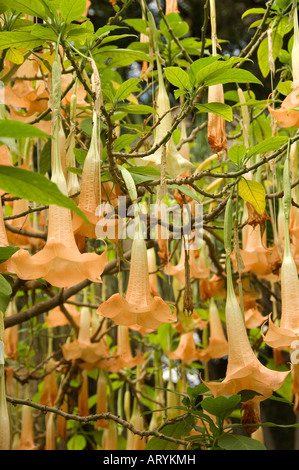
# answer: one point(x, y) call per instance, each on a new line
point(15, 56)
point(254, 193)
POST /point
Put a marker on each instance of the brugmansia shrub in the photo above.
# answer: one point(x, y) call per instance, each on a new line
point(149, 231)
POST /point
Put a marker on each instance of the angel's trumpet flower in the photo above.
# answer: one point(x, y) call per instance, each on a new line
point(139, 307)
point(82, 348)
point(101, 406)
point(12, 333)
point(109, 439)
point(50, 443)
point(175, 163)
point(244, 370)
point(60, 261)
point(218, 345)
point(152, 268)
point(57, 318)
point(89, 198)
point(212, 287)
point(287, 116)
point(198, 270)
point(187, 351)
point(286, 335)
point(50, 389)
point(216, 124)
point(83, 407)
point(171, 7)
point(27, 434)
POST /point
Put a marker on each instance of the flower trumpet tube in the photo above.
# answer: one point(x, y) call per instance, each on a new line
point(138, 307)
point(218, 345)
point(12, 333)
point(27, 433)
point(50, 389)
point(101, 406)
point(244, 370)
point(216, 124)
point(187, 351)
point(175, 163)
point(60, 261)
point(171, 6)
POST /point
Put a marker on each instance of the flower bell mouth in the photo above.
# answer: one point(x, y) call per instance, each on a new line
point(138, 308)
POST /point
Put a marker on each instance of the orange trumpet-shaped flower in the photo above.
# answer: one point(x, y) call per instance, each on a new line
point(27, 435)
point(198, 270)
point(82, 348)
point(213, 287)
point(11, 334)
point(101, 406)
point(4, 416)
point(109, 439)
point(171, 7)
point(57, 318)
point(244, 370)
point(152, 268)
point(175, 163)
point(50, 432)
point(83, 408)
point(216, 124)
point(218, 345)
point(123, 355)
point(50, 389)
point(186, 351)
point(138, 308)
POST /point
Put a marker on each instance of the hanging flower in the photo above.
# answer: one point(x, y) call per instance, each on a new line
point(216, 124)
point(218, 345)
point(89, 354)
point(175, 163)
point(109, 438)
point(101, 406)
point(171, 7)
point(50, 443)
point(152, 268)
point(50, 389)
point(187, 351)
point(123, 354)
point(27, 435)
point(83, 407)
point(11, 334)
point(138, 308)
point(57, 318)
point(198, 270)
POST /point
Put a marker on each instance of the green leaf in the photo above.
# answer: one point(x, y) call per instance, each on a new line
point(194, 392)
point(184, 189)
point(198, 65)
point(126, 88)
point(18, 40)
point(253, 11)
point(44, 32)
point(239, 442)
point(80, 155)
point(76, 442)
point(138, 24)
point(178, 77)
point(263, 52)
point(231, 76)
point(72, 9)
point(45, 158)
point(254, 193)
point(124, 141)
point(221, 109)
point(176, 430)
point(221, 406)
point(19, 129)
point(5, 293)
point(120, 57)
point(180, 28)
point(268, 145)
point(34, 187)
point(136, 109)
point(6, 252)
point(15, 56)
point(32, 7)
point(236, 153)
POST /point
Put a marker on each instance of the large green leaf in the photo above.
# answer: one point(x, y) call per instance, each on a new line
point(126, 88)
point(221, 109)
point(268, 145)
point(34, 187)
point(6, 252)
point(231, 76)
point(176, 430)
point(19, 39)
point(72, 9)
point(221, 406)
point(31, 7)
point(18, 130)
point(178, 77)
point(120, 57)
point(5, 293)
point(254, 193)
point(239, 442)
